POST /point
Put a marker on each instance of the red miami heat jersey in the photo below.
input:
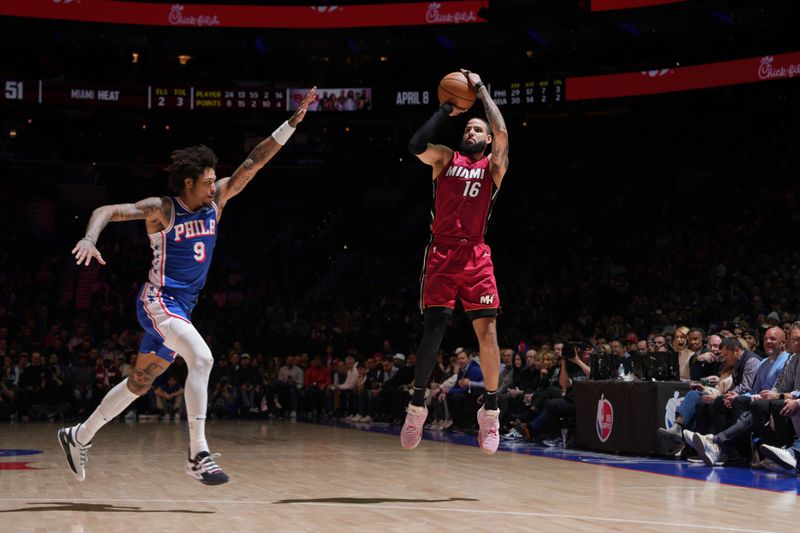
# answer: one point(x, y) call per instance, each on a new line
point(463, 195)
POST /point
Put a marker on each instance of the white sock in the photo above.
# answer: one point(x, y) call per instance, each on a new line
point(197, 436)
point(185, 340)
point(114, 402)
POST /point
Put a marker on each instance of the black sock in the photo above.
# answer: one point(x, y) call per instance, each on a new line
point(418, 398)
point(490, 400)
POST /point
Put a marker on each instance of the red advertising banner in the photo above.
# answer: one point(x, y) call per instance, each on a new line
point(245, 16)
point(667, 80)
point(609, 5)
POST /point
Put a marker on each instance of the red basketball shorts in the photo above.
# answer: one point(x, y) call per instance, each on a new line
point(459, 268)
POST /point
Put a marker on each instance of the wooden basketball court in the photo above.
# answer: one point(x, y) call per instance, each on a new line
point(307, 477)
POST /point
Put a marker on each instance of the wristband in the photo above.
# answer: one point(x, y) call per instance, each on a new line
point(90, 240)
point(282, 134)
point(478, 86)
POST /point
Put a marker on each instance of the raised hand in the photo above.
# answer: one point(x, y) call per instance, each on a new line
point(302, 108)
point(84, 251)
point(472, 79)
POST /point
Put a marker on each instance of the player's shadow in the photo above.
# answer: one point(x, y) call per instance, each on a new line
point(95, 508)
point(368, 501)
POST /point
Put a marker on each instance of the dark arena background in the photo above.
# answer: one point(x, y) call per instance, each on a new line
point(647, 223)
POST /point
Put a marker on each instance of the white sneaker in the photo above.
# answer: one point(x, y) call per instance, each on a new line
point(708, 450)
point(366, 419)
point(688, 437)
point(75, 451)
point(783, 458)
point(293, 415)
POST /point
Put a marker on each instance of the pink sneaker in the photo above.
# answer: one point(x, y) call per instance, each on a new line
point(412, 427)
point(489, 432)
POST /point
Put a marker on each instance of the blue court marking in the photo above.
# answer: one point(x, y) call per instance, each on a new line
point(735, 476)
point(6, 452)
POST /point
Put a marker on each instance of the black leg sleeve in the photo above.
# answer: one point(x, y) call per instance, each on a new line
point(435, 326)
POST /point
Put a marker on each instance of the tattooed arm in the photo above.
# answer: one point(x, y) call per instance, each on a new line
point(156, 212)
point(498, 161)
point(227, 188)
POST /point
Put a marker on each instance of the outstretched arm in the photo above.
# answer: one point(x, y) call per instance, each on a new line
point(155, 211)
point(227, 188)
point(498, 163)
point(435, 155)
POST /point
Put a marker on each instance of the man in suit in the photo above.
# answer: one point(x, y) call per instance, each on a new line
point(462, 398)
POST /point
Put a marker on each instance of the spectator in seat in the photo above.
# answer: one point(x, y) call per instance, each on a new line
point(462, 398)
point(340, 393)
point(11, 372)
point(224, 399)
point(30, 384)
point(169, 397)
point(778, 412)
point(700, 392)
point(621, 364)
point(506, 369)
point(660, 345)
point(704, 361)
point(680, 341)
point(745, 367)
point(512, 395)
point(444, 368)
point(316, 381)
point(363, 387)
point(53, 393)
point(248, 378)
point(395, 393)
point(290, 385)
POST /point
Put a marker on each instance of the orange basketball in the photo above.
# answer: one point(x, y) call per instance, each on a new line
point(454, 89)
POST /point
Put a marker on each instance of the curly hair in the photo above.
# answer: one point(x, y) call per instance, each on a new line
point(189, 162)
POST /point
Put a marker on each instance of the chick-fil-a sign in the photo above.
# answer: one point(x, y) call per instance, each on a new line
point(249, 16)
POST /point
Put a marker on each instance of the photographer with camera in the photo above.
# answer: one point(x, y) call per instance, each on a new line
point(558, 411)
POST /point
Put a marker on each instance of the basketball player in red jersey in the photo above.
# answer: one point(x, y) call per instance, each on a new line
point(458, 263)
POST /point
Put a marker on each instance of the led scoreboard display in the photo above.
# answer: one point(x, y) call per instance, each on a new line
point(169, 97)
point(520, 93)
point(529, 93)
point(250, 98)
point(154, 97)
point(20, 91)
point(95, 95)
